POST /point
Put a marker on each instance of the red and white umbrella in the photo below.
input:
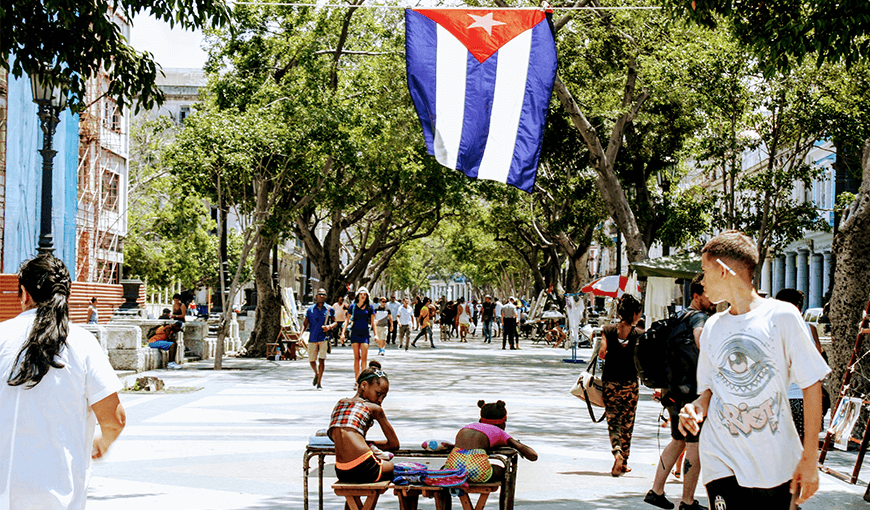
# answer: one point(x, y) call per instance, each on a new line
point(611, 286)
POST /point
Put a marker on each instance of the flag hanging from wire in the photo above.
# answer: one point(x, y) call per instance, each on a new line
point(481, 81)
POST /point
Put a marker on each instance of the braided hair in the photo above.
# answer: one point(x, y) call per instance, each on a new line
point(47, 280)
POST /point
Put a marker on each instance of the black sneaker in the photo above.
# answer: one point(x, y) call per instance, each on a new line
point(694, 506)
point(658, 500)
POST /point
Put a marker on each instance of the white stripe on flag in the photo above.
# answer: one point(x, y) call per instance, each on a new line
point(507, 105)
point(450, 68)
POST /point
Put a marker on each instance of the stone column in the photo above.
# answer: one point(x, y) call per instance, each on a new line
point(803, 273)
point(826, 272)
point(814, 299)
point(790, 271)
point(778, 280)
point(766, 276)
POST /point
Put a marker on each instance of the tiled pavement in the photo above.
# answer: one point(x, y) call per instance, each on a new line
point(237, 443)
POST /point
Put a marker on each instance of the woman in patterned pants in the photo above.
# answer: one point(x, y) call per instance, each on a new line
point(620, 380)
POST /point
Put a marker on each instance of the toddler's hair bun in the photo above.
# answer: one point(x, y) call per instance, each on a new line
point(481, 403)
point(500, 404)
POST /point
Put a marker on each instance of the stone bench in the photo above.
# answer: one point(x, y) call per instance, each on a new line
point(127, 349)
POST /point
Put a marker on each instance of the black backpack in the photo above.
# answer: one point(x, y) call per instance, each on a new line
point(664, 353)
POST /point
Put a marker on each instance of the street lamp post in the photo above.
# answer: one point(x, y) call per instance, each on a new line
point(51, 101)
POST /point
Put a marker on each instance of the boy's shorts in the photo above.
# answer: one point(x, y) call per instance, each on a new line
point(161, 344)
point(317, 350)
point(674, 413)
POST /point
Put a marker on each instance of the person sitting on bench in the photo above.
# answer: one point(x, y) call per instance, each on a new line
point(355, 462)
point(474, 441)
point(556, 334)
point(165, 338)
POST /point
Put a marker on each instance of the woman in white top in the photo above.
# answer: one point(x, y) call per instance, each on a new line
point(93, 313)
point(59, 383)
point(463, 319)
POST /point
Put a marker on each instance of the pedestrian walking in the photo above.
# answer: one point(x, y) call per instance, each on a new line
point(487, 313)
point(509, 320)
point(360, 315)
point(340, 309)
point(393, 306)
point(750, 353)
point(498, 307)
point(621, 390)
point(418, 305)
point(319, 321)
point(405, 318)
point(426, 313)
point(683, 368)
point(59, 385)
point(384, 320)
point(463, 319)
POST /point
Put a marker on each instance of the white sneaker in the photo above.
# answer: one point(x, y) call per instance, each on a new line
point(173, 365)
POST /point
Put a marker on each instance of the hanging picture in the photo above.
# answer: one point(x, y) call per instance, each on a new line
point(844, 421)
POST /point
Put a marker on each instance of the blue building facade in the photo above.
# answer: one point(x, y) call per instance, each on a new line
point(23, 183)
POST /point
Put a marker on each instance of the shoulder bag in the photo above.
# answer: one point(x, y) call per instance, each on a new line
point(589, 387)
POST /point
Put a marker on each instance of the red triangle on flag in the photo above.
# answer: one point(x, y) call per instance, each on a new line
point(484, 31)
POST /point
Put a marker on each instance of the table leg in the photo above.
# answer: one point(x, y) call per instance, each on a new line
point(305, 458)
point(320, 464)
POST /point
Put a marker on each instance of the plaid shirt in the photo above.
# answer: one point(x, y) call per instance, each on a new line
point(351, 414)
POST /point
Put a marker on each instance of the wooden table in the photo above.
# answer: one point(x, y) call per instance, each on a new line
point(507, 456)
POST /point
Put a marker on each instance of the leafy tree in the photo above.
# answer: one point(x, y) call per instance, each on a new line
point(168, 237)
point(782, 35)
point(69, 41)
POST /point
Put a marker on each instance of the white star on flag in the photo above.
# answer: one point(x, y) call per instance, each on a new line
point(484, 22)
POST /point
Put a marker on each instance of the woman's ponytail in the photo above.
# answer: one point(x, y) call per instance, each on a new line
point(47, 280)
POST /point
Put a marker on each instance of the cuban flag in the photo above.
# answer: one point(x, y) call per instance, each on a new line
point(481, 81)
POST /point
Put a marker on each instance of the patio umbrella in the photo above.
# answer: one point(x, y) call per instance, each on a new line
point(611, 286)
point(552, 314)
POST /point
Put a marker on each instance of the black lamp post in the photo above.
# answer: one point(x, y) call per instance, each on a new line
point(51, 101)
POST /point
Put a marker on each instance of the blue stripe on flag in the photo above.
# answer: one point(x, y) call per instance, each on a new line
point(479, 93)
point(539, 88)
point(420, 35)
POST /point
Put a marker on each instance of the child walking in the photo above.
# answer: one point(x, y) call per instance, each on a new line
point(473, 442)
point(355, 462)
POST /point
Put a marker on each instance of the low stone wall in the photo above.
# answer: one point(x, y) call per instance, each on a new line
point(127, 348)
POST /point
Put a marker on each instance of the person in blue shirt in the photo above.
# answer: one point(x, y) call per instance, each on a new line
point(361, 314)
point(317, 321)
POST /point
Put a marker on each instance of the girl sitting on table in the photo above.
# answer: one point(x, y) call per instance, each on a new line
point(355, 462)
point(475, 440)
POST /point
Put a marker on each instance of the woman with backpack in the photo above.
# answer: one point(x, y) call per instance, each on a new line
point(58, 385)
point(621, 390)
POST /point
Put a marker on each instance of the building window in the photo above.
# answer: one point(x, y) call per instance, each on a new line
point(111, 116)
point(110, 191)
point(183, 113)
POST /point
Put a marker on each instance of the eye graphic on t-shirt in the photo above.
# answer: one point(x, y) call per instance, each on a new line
point(744, 367)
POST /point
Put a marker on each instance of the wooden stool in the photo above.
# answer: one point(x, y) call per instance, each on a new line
point(409, 496)
point(484, 489)
point(271, 351)
point(353, 492)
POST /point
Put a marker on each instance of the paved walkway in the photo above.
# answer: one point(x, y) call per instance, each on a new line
point(237, 443)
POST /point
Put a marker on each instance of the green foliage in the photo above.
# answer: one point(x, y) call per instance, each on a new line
point(69, 41)
point(168, 236)
point(784, 30)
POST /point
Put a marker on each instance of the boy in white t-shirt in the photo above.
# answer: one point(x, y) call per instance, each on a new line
point(750, 353)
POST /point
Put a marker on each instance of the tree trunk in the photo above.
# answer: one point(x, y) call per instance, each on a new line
point(850, 293)
point(268, 321)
